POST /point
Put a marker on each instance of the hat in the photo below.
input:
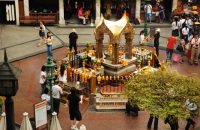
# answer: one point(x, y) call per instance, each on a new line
point(73, 30)
point(158, 30)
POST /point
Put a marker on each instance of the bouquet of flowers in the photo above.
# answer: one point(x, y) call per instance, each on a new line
point(143, 43)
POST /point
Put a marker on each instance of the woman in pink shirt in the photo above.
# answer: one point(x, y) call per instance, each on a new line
point(80, 14)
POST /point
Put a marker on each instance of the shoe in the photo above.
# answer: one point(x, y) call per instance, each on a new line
point(74, 128)
point(190, 63)
point(180, 62)
point(38, 45)
point(196, 64)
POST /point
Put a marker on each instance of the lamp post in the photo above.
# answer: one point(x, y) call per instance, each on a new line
point(8, 88)
point(50, 66)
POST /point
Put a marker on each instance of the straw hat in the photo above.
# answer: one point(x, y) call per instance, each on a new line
point(73, 30)
point(158, 30)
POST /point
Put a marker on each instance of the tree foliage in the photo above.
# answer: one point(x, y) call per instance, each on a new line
point(164, 92)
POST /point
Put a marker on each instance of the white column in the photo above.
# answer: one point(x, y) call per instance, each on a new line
point(61, 12)
point(174, 4)
point(98, 4)
point(137, 10)
point(17, 12)
point(26, 7)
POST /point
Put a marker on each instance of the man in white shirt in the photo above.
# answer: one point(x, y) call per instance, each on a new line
point(148, 12)
point(182, 20)
point(195, 49)
point(56, 93)
point(46, 97)
point(192, 107)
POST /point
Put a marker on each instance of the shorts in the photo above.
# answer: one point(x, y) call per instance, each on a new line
point(75, 115)
point(148, 15)
point(41, 34)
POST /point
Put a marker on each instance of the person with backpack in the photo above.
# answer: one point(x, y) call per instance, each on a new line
point(182, 20)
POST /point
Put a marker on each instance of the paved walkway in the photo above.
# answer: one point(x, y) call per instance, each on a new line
point(29, 90)
point(21, 43)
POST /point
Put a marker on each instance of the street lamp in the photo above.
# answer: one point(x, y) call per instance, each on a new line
point(8, 88)
point(50, 66)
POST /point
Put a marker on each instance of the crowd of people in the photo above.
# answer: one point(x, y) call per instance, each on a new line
point(186, 29)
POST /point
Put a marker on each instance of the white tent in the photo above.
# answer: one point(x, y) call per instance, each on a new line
point(55, 125)
point(26, 124)
point(3, 121)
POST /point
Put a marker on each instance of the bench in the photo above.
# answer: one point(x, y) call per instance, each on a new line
point(48, 19)
point(28, 20)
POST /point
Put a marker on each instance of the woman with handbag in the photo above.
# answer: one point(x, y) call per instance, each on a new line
point(42, 79)
point(182, 50)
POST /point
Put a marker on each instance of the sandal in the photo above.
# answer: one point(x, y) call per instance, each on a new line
point(38, 45)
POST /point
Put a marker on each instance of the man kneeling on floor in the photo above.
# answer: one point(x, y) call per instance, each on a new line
point(130, 108)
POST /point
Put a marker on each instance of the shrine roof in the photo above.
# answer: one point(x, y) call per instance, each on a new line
point(115, 27)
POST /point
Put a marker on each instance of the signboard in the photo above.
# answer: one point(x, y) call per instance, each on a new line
point(40, 110)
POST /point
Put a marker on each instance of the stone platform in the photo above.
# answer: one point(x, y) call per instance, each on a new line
point(119, 69)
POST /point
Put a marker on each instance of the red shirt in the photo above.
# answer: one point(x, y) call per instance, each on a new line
point(171, 42)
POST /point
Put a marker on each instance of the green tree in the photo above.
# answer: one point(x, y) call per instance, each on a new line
point(164, 92)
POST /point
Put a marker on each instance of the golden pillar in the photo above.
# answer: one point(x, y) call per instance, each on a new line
point(115, 53)
point(68, 73)
point(93, 83)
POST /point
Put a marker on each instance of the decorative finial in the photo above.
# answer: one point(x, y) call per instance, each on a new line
point(5, 56)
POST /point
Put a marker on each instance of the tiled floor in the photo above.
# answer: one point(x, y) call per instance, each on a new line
point(29, 89)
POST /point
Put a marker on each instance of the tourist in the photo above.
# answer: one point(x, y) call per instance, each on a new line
point(63, 74)
point(172, 121)
point(56, 93)
point(151, 120)
point(130, 108)
point(195, 49)
point(182, 20)
point(80, 15)
point(185, 32)
point(175, 27)
point(73, 40)
point(161, 13)
point(156, 41)
point(170, 47)
point(42, 79)
point(148, 11)
point(189, 24)
point(142, 37)
point(46, 97)
point(41, 32)
point(48, 42)
point(74, 112)
point(182, 51)
point(192, 107)
point(108, 10)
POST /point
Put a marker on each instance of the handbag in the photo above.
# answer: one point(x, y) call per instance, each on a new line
point(179, 48)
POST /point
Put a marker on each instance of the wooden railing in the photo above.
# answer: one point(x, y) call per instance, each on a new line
point(46, 14)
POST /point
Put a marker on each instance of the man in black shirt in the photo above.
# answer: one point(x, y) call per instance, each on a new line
point(73, 40)
point(74, 112)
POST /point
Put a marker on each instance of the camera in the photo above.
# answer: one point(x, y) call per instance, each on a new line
point(197, 45)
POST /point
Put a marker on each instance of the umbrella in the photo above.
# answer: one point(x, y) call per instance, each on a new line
point(55, 125)
point(3, 121)
point(26, 125)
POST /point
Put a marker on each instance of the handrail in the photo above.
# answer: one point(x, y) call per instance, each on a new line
point(45, 14)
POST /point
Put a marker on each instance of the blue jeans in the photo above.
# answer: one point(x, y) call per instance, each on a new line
point(169, 53)
point(49, 51)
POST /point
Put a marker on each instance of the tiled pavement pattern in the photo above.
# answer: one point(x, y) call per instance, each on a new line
point(29, 89)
